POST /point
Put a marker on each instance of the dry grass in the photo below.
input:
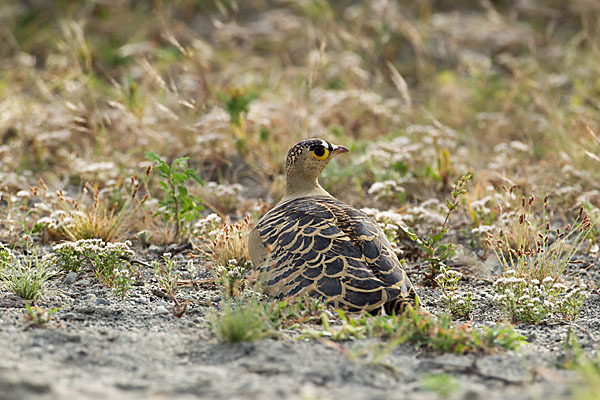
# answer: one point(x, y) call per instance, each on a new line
point(529, 245)
point(99, 218)
point(225, 248)
point(421, 92)
point(226, 242)
point(100, 100)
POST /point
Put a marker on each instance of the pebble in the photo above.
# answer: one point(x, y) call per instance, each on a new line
point(161, 310)
point(100, 301)
point(87, 309)
point(71, 278)
point(69, 315)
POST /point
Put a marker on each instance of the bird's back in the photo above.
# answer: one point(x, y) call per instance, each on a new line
point(321, 247)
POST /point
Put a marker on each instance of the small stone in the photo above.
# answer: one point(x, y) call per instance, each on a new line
point(142, 300)
point(71, 278)
point(101, 301)
point(70, 315)
point(84, 282)
point(90, 297)
point(161, 310)
point(87, 309)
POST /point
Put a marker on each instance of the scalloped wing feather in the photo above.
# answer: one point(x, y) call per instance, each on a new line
point(321, 247)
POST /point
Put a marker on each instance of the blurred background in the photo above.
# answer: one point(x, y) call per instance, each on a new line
point(421, 92)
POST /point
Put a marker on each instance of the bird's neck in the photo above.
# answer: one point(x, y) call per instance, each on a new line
point(298, 185)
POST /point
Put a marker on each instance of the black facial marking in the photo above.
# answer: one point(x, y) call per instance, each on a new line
point(299, 147)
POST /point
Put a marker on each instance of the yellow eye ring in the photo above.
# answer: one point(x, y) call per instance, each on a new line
point(320, 153)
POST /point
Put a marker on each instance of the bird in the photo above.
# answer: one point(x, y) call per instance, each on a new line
point(311, 244)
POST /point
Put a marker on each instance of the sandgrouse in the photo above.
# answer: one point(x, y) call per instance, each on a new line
point(312, 244)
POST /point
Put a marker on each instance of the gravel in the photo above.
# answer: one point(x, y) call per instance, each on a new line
point(98, 347)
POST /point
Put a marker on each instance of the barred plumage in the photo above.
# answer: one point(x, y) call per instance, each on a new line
point(316, 245)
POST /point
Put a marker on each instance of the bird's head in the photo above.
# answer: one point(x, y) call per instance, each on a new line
point(307, 158)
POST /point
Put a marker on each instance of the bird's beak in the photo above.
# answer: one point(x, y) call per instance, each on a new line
point(339, 149)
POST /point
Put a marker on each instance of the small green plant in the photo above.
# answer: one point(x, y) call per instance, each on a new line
point(237, 103)
point(232, 274)
point(458, 303)
point(350, 328)
point(437, 252)
point(26, 275)
point(169, 279)
point(178, 205)
point(535, 301)
point(4, 256)
point(501, 335)
point(423, 330)
point(72, 256)
point(290, 313)
point(166, 275)
point(120, 279)
point(109, 261)
point(38, 316)
point(442, 336)
point(241, 322)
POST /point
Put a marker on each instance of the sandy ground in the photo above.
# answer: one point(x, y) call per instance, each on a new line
point(100, 347)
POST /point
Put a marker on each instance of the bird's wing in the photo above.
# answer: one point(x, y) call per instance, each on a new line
point(323, 247)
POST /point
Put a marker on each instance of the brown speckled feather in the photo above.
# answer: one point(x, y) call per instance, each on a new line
point(324, 248)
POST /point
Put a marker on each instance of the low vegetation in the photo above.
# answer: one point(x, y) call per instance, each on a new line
point(88, 217)
point(110, 262)
point(425, 331)
point(159, 133)
point(458, 302)
point(241, 323)
point(178, 206)
point(225, 248)
point(26, 275)
point(535, 285)
point(168, 279)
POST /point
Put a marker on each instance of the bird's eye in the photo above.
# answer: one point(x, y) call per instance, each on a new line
point(320, 153)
